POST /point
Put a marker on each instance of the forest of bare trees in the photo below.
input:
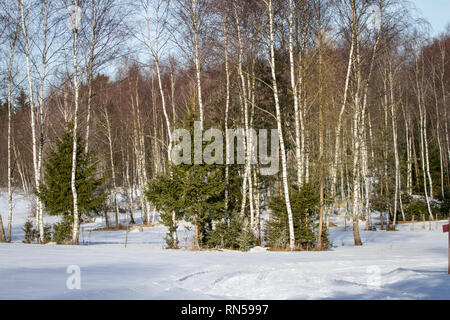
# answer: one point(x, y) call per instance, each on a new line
point(356, 90)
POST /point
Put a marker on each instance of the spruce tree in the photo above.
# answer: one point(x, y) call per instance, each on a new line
point(56, 193)
point(165, 193)
point(203, 197)
point(195, 192)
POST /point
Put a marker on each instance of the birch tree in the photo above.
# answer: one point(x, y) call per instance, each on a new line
point(295, 94)
point(109, 136)
point(360, 96)
point(419, 88)
point(192, 14)
point(227, 97)
point(16, 19)
point(244, 102)
point(25, 20)
point(76, 216)
point(105, 34)
point(154, 48)
point(271, 61)
point(195, 16)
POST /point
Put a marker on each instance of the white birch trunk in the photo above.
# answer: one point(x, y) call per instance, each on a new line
point(92, 47)
point(10, 196)
point(154, 53)
point(140, 142)
point(294, 87)
point(247, 145)
point(194, 18)
point(438, 132)
point(339, 125)
point(76, 216)
point(113, 169)
point(395, 143)
point(419, 92)
point(444, 102)
point(227, 106)
point(33, 113)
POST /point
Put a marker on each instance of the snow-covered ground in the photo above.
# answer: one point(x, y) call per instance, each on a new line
point(407, 264)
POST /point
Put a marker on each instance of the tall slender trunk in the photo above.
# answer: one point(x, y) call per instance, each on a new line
point(247, 145)
point(140, 153)
point(321, 135)
point(2, 230)
point(356, 136)
point(386, 148)
point(398, 194)
point(194, 20)
point(339, 125)
point(155, 149)
point(438, 131)
point(37, 175)
point(422, 111)
point(257, 205)
point(76, 216)
point(93, 45)
point(41, 115)
point(154, 53)
point(409, 180)
point(250, 155)
point(271, 60)
point(356, 179)
point(294, 87)
point(172, 96)
point(227, 106)
point(128, 186)
point(344, 197)
point(301, 116)
point(363, 131)
point(137, 160)
point(427, 154)
point(23, 175)
point(307, 154)
point(113, 168)
point(10, 196)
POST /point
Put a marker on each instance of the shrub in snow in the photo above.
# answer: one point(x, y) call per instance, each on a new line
point(31, 233)
point(246, 239)
point(417, 207)
point(62, 233)
point(231, 234)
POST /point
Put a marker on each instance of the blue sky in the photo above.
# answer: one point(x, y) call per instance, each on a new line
point(437, 12)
